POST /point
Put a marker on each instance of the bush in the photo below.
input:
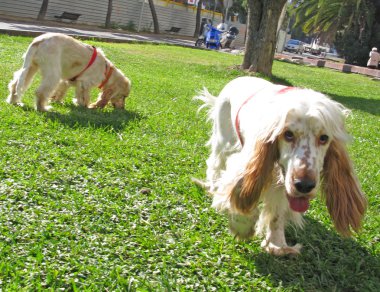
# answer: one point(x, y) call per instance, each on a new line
point(353, 50)
point(130, 26)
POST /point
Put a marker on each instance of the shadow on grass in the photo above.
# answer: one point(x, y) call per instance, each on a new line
point(327, 262)
point(371, 106)
point(279, 80)
point(116, 119)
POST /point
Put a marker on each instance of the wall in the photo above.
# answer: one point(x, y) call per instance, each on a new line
point(24, 8)
point(124, 12)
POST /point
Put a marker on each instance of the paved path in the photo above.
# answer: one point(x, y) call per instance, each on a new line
point(34, 29)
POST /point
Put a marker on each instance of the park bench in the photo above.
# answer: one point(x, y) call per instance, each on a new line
point(68, 15)
point(173, 29)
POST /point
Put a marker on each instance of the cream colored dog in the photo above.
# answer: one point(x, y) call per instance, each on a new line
point(63, 62)
point(271, 148)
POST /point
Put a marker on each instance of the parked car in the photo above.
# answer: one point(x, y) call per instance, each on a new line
point(295, 46)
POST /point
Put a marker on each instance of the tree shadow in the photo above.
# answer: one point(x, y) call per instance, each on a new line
point(278, 80)
point(371, 106)
point(327, 262)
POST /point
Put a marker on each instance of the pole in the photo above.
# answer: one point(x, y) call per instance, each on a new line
point(141, 14)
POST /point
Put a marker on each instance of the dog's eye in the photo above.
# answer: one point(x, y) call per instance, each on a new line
point(289, 136)
point(323, 139)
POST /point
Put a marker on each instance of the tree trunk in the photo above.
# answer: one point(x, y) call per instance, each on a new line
point(43, 9)
point(198, 19)
point(260, 46)
point(109, 13)
point(156, 26)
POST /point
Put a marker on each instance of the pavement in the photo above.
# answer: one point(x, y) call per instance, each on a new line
point(35, 28)
point(328, 63)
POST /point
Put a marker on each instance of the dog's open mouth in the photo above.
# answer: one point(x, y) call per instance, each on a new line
point(298, 204)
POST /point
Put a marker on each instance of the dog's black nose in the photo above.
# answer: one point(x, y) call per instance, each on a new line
point(304, 185)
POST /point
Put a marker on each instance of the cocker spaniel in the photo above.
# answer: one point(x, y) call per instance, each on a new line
point(63, 62)
point(271, 147)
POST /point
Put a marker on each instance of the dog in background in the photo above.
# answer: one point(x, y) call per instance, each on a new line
point(271, 147)
point(63, 62)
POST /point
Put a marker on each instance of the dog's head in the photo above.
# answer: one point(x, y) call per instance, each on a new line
point(310, 126)
point(306, 140)
point(115, 90)
point(120, 91)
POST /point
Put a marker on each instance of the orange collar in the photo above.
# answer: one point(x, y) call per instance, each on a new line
point(107, 74)
point(92, 60)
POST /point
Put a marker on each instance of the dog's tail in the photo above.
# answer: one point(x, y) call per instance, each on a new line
point(209, 102)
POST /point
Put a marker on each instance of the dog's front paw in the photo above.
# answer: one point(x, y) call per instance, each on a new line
point(20, 104)
point(273, 249)
point(14, 101)
point(44, 108)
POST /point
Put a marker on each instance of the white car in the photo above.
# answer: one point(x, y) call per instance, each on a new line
point(295, 46)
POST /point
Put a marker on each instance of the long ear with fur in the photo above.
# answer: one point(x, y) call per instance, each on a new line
point(246, 192)
point(103, 99)
point(340, 187)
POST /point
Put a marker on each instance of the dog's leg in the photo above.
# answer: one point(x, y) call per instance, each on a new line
point(60, 91)
point(50, 80)
point(272, 222)
point(13, 97)
point(20, 83)
point(222, 141)
point(23, 77)
point(243, 226)
point(82, 94)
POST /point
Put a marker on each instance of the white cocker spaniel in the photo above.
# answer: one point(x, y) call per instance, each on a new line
point(271, 147)
point(63, 62)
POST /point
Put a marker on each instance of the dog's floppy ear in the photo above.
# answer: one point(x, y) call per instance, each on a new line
point(245, 193)
point(340, 187)
point(103, 98)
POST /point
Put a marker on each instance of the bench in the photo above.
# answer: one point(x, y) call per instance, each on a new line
point(173, 29)
point(68, 15)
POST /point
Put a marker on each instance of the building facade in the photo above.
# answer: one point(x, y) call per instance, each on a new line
point(126, 14)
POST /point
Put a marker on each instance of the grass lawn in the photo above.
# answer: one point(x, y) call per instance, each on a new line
point(75, 216)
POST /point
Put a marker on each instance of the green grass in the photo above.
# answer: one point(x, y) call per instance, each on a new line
point(74, 216)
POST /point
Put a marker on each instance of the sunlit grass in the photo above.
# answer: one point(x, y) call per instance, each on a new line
point(102, 200)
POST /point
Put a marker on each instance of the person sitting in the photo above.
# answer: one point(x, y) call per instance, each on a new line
point(374, 59)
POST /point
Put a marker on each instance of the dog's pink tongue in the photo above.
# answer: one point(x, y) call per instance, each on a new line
point(299, 204)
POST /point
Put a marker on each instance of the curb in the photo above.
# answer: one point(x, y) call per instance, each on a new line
point(322, 63)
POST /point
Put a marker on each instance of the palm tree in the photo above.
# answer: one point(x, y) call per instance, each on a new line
point(327, 17)
point(350, 24)
point(43, 9)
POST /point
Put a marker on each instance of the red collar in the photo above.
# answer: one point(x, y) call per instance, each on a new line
point(107, 74)
point(237, 122)
point(92, 60)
